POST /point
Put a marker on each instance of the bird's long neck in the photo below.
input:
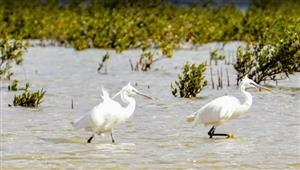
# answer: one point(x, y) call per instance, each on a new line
point(129, 109)
point(248, 100)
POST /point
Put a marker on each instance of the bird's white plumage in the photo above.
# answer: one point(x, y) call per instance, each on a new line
point(225, 108)
point(217, 111)
point(102, 118)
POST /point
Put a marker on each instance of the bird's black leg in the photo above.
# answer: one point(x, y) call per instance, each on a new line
point(211, 132)
point(221, 134)
point(90, 139)
point(112, 138)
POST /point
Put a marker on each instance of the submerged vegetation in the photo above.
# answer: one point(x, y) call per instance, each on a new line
point(191, 81)
point(11, 52)
point(103, 64)
point(146, 60)
point(215, 56)
point(27, 99)
point(15, 86)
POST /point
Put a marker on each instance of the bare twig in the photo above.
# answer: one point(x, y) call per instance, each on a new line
point(212, 79)
point(72, 104)
point(218, 86)
point(221, 79)
point(228, 84)
point(131, 65)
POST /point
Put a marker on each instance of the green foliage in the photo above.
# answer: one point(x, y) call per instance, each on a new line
point(14, 86)
point(27, 99)
point(270, 19)
point(11, 52)
point(129, 24)
point(191, 81)
point(270, 61)
point(103, 63)
point(123, 24)
point(214, 55)
point(146, 60)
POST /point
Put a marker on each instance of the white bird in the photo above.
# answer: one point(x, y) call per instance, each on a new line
point(104, 117)
point(224, 108)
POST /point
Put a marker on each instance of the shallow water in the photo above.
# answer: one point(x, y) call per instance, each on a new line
point(157, 135)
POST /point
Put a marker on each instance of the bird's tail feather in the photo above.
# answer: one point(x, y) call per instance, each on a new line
point(80, 122)
point(105, 94)
point(191, 117)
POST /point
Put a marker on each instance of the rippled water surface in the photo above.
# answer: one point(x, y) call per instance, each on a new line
point(157, 135)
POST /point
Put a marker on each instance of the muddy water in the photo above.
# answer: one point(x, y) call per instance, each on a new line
point(156, 136)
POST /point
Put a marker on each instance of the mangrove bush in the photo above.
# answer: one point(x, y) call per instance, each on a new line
point(28, 99)
point(122, 25)
point(15, 86)
point(191, 81)
point(265, 61)
point(11, 52)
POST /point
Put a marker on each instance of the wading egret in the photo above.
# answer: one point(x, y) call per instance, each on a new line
point(104, 117)
point(224, 108)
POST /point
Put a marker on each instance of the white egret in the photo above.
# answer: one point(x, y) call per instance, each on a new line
point(224, 108)
point(104, 117)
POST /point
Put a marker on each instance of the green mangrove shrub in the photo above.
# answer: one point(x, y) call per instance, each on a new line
point(14, 86)
point(11, 52)
point(269, 61)
point(146, 60)
point(215, 56)
point(125, 25)
point(191, 81)
point(28, 99)
point(103, 64)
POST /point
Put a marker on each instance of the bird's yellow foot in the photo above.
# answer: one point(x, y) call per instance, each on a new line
point(230, 135)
